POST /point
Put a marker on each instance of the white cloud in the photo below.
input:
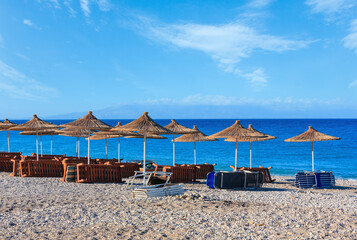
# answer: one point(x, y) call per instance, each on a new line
point(1, 41)
point(28, 22)
point(353, 84)
point(55, 3)
point(330, 6)
point(220, 100)
point(50, 3)
point(227, 44)
point(31, 24)
point(85, 7)
point(70, 10)
point(104, 5)
point(350, 41)
point(22, 56)
point(17, 85)
point(335, 9)
point(257, 78)
point(259, 3)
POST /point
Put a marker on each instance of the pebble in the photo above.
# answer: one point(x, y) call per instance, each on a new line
point(44, 208)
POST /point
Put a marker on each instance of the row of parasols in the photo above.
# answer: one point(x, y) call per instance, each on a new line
point(145, 127)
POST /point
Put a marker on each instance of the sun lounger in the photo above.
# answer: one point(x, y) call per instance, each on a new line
point(98, 173)
point(49, 155)
point(70, 168)
point(236, 179)
point(317, 179)
point(127, 169)
point(265, 171)
point(161, 190)
point(102, 161)
point(150, 177)
point(202, 170)
point(15, 168)
point(181, 174)
point(6, 163)
point(10, 154)
point(34, 158)
point(43, 168)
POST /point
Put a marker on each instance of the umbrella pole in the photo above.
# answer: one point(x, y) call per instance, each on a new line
point(313, 167)
point(79, 147)
point(173, 150)
point(194, 152)
point(41, 146)
point(51, 142)
point(250, 154)
point(88, 148)
point(236, 155)
point(8, 141)
point(36, 144)
point(106, 149)
point(119, 149)
point(144, 160)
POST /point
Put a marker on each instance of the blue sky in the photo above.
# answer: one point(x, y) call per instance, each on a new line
point(283, 58)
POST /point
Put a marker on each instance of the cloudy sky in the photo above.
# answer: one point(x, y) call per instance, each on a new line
point(63, 56)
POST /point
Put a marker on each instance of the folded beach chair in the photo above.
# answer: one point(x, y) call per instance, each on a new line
point(161, 190)
point(324, 179)
point(265, 171)
point(318, 179)
point(236, 179)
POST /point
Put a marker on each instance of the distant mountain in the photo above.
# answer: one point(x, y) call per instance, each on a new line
point(133, 111)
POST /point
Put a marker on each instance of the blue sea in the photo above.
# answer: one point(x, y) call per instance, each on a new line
point(286, 158)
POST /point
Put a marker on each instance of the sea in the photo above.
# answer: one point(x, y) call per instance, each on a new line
point(285, 158)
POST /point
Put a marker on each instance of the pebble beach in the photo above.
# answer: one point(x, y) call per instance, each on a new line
point(46, 208)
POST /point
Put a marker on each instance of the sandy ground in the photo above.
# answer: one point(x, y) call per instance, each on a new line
point(46, 208)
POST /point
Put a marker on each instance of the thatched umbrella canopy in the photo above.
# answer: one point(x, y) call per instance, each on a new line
point(148, 136)
point(103, 137)
point(178, 129)
point(312, 135)
point(114, 133)
point(88, 122)
point(198, 136)
point(5, 126)
point(145, 125)
point(236, 131)
point(77, 133)
point(49, 132)
point(35, 124)
point(251, 139)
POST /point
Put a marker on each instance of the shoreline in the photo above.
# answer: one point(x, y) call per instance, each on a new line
point(45, 208)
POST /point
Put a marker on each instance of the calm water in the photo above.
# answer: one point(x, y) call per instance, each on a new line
point(285, 158)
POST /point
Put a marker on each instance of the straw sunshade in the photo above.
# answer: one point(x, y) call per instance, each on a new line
point(88, 123)
point(114, 133)
point(236, 131)
point(145, 125)
point(251, 139)
point(198, 136)
point(179, 129)
point(311, 135)
point(75, 132)
point(102, 137)
point(148, 136)
point(5, 126)
point(35, 124)
point(49, 132)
